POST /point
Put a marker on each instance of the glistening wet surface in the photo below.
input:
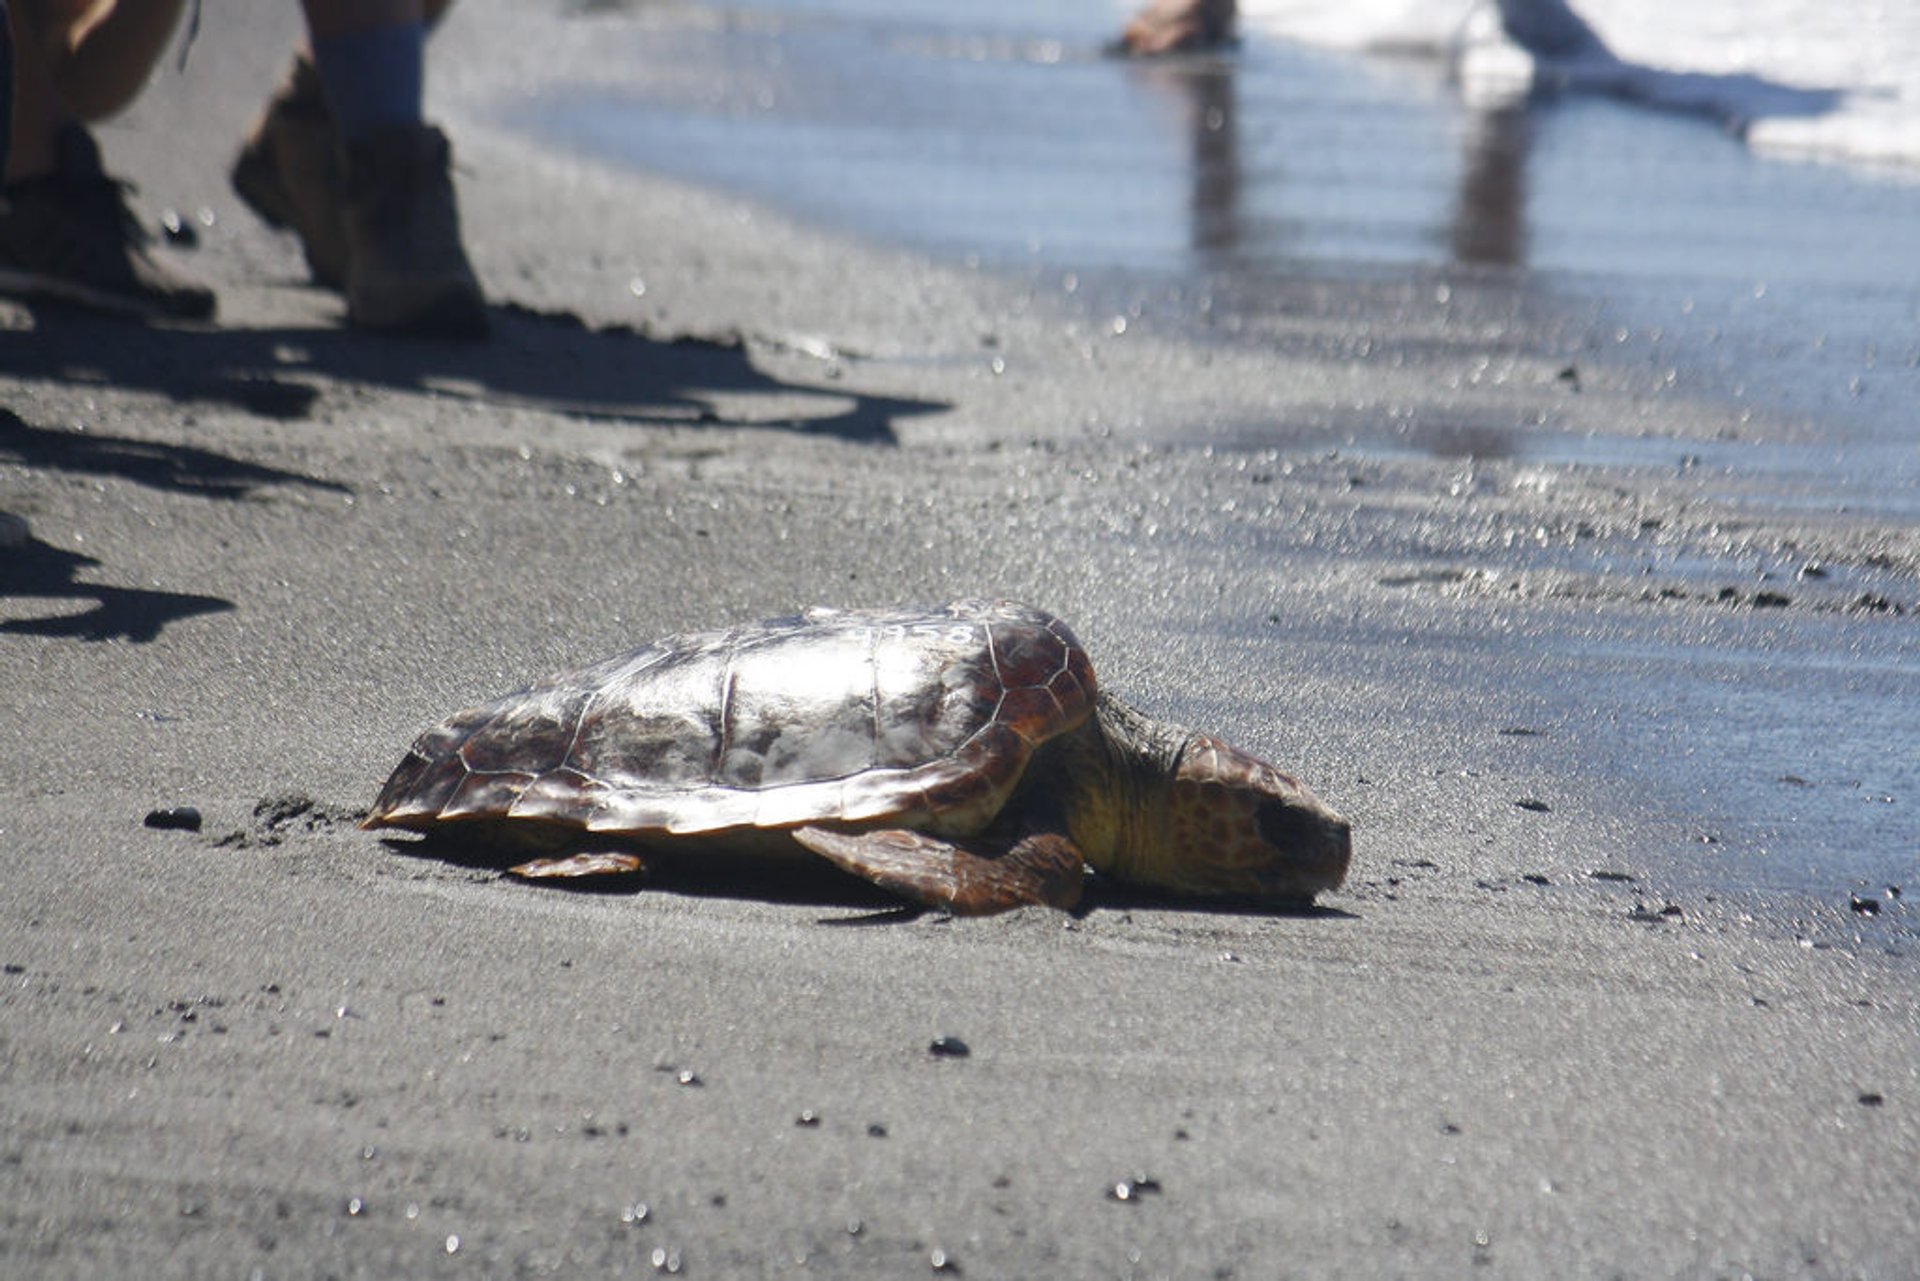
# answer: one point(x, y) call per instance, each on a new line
point(1205, 189)
point(1210, 199)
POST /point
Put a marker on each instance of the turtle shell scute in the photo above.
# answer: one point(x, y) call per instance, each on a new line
point(849, 716)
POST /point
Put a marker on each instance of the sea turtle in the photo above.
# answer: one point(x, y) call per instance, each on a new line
point(958, 756)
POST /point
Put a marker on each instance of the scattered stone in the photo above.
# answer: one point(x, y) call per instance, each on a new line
point(1771, 600)
point(876, 1131)
point(180, 233)
point(808, 1119)
point(948, 1047)
point(1133, 1189)
point(1863, 906)
point(1602, 875)
point(1534, 804)
point(1535, 878)
point(1872, 1098)
point(175, 818)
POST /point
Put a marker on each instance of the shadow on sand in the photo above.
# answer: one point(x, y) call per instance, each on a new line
point(39, 570)
point(546, 361)
point(809, 882)
point(35, 569)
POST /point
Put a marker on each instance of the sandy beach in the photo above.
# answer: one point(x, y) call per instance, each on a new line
point(1606, 645)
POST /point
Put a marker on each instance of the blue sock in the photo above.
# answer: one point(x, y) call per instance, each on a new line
point(373, 78)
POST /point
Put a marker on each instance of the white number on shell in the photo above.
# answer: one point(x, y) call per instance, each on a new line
point(952, 634)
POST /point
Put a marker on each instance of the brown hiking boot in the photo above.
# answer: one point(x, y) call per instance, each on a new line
point(406, 267)
point(68, 236)
point(289, 172)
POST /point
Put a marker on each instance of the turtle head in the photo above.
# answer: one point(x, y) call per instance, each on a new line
point(1237, 826)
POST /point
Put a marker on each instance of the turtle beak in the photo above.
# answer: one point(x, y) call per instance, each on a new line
point(1318, 845)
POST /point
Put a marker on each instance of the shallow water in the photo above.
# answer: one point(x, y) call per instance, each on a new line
point(1000, 135)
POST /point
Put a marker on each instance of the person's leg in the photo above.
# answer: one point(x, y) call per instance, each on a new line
point(100, 52)
point(6, 87)
point(1171, 26)
point(38, 114)
point(343, 156)
point(65, 230)
point(371, 58)
point(289, 169)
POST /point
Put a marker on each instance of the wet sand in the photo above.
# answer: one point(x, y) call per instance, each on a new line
point(1596, 999)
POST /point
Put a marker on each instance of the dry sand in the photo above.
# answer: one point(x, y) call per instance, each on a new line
point(266, 554)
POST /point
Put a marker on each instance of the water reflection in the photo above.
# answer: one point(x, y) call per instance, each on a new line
point(1490, 217)
point(1486, 223)
point(1008, 137)
point(1202, 96)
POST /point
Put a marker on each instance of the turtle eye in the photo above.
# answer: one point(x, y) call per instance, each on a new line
point(1286, 826)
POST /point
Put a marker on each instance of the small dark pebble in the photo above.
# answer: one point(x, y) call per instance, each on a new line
point(176, 818)
point(1771, 600)
point(807, 1119)
point(1535, 878)
point(876, 1131)
point(1522, 731)
point(1872, 1099)
point(948, 1047)
point(1534, 804)
point(1864, 906)
point(1610, 876)
point(1569, 377)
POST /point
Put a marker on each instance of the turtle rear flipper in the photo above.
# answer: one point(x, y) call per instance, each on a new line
point(967, 878)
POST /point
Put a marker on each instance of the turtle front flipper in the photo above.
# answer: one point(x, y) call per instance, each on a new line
point(968, 878)
point(593, 863)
